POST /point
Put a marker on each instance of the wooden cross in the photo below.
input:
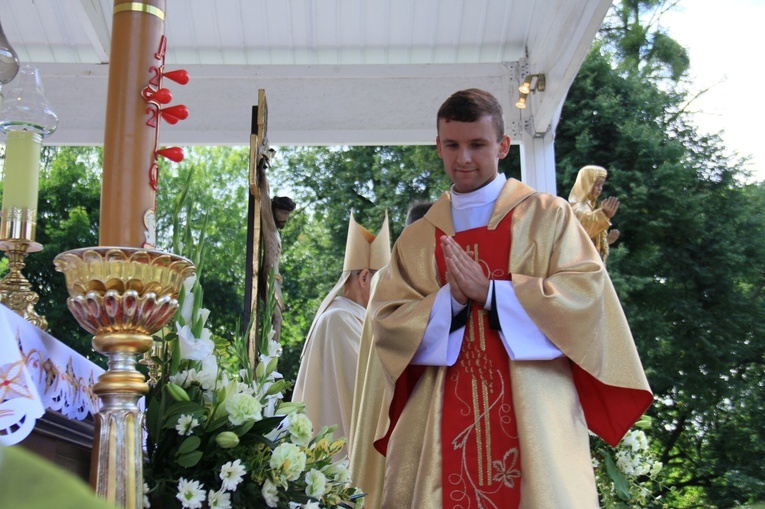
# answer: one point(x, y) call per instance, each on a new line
point(260, 220)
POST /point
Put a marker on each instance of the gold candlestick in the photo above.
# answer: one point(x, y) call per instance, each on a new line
point(17, 234)
point(16, 290)
point(121, 295)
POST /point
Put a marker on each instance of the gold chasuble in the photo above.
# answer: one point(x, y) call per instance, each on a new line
point(479, 439)
point(436, 422)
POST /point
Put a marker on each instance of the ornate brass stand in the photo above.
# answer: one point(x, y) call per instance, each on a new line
point(15, 289)
point(17, 239)
point(122, 296)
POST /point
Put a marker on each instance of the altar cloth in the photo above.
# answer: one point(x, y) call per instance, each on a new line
point(38, 373)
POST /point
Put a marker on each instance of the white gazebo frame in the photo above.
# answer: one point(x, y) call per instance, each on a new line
point(337, 72)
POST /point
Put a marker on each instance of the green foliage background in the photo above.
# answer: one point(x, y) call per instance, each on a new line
point(688, 266)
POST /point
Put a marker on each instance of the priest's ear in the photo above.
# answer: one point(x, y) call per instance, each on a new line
point(365, 278)
point(361, 277)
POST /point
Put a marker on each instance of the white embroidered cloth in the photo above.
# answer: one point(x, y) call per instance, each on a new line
point(38, 372)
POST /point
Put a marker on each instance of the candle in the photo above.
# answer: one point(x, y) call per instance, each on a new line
point(127, 198)
point(22, 170)
point(26, 118)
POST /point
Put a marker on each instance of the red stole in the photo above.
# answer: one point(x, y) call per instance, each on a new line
point(481, 464)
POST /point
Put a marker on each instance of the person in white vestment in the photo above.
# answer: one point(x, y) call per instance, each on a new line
point(327, 374)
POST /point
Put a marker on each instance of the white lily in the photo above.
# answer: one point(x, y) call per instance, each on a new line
point(195, 349)
point(188, 300)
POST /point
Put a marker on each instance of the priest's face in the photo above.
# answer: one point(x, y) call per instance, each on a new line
point(470, 151)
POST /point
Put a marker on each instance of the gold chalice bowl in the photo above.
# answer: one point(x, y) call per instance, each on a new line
point(122, 296)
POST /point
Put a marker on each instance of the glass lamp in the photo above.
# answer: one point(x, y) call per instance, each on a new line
point(26, 118)
point(9, 61)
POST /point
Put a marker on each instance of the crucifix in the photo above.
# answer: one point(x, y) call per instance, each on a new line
point(266, 216)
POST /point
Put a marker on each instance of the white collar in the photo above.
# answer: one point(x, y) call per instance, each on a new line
point(482, 196)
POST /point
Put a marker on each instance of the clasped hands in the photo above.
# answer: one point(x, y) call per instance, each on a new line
point(465, 276)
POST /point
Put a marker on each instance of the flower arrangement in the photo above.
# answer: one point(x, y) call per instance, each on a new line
point(624, 474)
point(222, 437)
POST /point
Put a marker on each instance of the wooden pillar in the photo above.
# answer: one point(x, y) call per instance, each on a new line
point(128, 199)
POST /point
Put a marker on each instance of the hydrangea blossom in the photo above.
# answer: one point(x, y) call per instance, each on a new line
point(629, 459)
point(636, 470)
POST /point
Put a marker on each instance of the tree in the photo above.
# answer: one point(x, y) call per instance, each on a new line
point(327, 183)
point(217, 202)
point(688, 265)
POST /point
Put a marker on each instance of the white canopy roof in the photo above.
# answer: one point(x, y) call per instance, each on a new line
point(334, 71)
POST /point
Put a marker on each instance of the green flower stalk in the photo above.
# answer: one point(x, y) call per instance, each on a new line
point(225, 437)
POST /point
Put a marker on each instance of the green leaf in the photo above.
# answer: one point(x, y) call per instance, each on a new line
point(244, 428)
point(644, 422)
point(152, 416)
point(217, 423)
point(621, 485)
point(264, 426)
point(256, 438)
point(220, 408)
point(190, 444)
point(189, 459)
point(277, 386)
point(175, 360)
point(179, 408)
